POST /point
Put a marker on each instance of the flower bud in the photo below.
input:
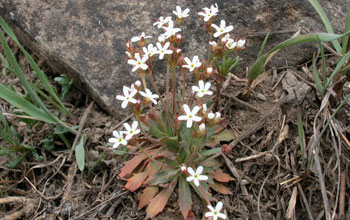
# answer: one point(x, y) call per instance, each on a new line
point(178, 39)
point(240, 43)
point(137, 85)
point(183, 168)
point(211, 116)
point(204, 108)
point(226, 149)
point(202, 127)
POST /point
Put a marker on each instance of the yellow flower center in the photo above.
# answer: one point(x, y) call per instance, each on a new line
point(192, 65)
point(203, 91)
point(131, 132)
point(195, 176)
point(190, 116)
point(138, 62)
point(216, 213)
point(120, 139)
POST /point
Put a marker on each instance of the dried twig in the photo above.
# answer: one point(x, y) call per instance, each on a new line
point(81, 126)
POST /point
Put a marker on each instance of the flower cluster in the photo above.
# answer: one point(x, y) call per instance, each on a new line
point(123, 136)
point(173, 135)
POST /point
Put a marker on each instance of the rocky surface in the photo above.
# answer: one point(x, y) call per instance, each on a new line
point(86, 38)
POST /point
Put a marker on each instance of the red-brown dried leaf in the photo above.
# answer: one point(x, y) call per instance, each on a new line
point(131, 165)
point(220, 176)
point(220, 188)
point(147, 194)
point(136, 181)
point(158, 203)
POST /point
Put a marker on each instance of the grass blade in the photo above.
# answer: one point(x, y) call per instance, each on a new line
point(317, 77)
point(18, 101)
point(344, 59)
point(263, 45)
point(315, 37)
point(301, 138)
point(326, 22)
point(347, 29)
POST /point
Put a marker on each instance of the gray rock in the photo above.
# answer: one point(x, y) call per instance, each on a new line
point(86, 38)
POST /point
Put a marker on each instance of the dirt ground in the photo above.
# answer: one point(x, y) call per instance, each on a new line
point(271, 179)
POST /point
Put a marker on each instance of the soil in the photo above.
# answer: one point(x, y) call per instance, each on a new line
point(268, 159)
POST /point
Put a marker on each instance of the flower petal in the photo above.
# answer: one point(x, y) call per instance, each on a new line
point(189, 123)
point(195, 109)
point(199, 170)
point(186, 109)
point(189, 179)
point(191, 171)
point(221, 215)
point(219, 206)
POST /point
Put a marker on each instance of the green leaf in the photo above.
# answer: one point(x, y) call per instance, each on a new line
point(326, 22)
point(210, 152)
point(156, 130)
point(18, 101)
point(199, 192)
point(163, 177)
point(185, 200)
point(80, 153)
point(43, 78)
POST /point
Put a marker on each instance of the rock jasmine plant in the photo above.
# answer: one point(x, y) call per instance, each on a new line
point(169, 140)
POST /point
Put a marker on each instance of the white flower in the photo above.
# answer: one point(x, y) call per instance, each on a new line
point(162, 38)
point(170, 30)
point(209, 12)
point(211, 116)
point(148, 95)
point(117, 140)
point(215, 213)
point(128, 96)
point(137, 38)
point(183, 168)
point(150, 50)
point(196, 176)
point(190, 115)
point(162, 21)
point(241, 43)
point(222, 29)
point(162, 50)
point(181, 14)
point(131, 131)
point(217, 115)
point(191, 65)
point(202, 89)
point(202, 127)
point(138, 62)
point(231, 44)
